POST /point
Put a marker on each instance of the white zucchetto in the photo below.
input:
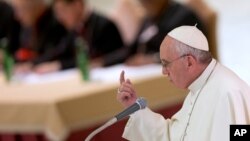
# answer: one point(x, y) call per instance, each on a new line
point(191, 36)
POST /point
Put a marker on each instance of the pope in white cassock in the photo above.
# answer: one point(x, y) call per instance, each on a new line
point(217, 97)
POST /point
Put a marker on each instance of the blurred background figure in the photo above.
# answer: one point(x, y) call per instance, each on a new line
point(161, 16)
point(209, 18)
point(6, 18)
point(35, 36)
point(100, 33)
point(6, 21)
point(128, 16)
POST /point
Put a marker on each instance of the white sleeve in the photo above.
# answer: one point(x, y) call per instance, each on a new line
point(146, 125)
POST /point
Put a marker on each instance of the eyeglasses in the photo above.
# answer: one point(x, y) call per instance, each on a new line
point(166, 64)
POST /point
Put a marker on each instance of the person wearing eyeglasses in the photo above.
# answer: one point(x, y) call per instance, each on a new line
point(217, 97)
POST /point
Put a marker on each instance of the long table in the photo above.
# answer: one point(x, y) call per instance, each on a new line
point(59, 106)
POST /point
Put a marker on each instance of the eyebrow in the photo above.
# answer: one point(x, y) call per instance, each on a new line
point(165, 61)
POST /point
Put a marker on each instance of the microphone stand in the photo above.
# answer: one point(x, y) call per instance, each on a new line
point(139, 104)
point(98, 130)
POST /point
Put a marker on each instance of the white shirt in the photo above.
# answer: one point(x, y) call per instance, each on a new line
point(217, 98)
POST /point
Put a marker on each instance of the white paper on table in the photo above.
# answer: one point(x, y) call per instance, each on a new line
point(107, 74)
point(34, 78)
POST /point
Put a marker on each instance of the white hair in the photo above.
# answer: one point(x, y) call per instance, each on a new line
point(202, 56)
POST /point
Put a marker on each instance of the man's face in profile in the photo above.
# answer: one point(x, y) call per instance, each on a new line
point(173, 65)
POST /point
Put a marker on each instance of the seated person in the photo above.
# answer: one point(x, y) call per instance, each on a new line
point(161, 17)
point(34, 36)
point(101, 34)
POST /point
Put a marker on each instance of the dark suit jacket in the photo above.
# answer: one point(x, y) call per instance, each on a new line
point(101, 35)
point(48, 34)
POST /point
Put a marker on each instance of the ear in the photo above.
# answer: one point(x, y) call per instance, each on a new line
point(191, 61)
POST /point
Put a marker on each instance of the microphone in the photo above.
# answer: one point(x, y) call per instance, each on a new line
point(140, 103)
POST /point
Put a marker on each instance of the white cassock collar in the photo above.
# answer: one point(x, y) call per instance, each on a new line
point(201, 80)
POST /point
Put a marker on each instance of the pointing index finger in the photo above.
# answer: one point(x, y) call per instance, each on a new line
point(122, 78)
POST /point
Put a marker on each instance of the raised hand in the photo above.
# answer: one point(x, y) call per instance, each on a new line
point(126, 93)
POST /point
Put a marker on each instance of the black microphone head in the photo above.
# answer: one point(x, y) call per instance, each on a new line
point(141, 102)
